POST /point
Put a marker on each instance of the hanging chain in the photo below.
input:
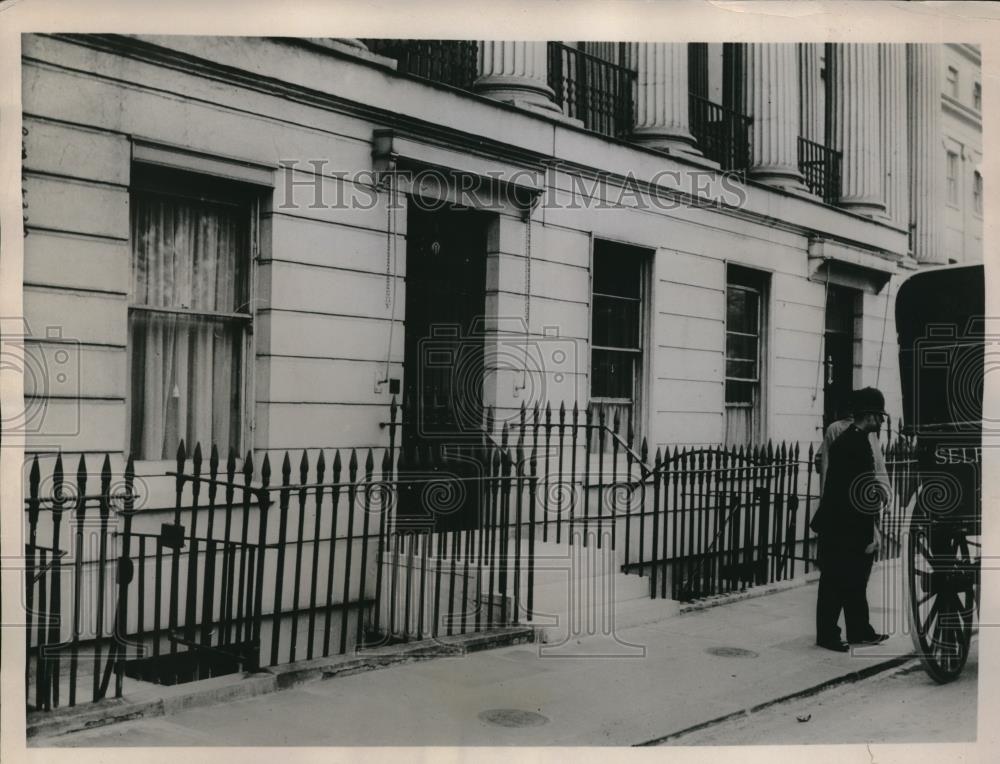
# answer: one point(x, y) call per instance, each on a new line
point(390, 267)
point(527, 295)
point(527, 272)
point(822, 342)
point(390, 236)
point(24, 189)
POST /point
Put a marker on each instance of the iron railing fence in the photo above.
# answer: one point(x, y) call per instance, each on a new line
point(70, 530)
point(722, 134)
point(722, 519)
point(599, 93)
point(336, 550)
point(820, 168)
point(452, 62)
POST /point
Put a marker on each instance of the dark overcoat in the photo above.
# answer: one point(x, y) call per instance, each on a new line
point(852, 495)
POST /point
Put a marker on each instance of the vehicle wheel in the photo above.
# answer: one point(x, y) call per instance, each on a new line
point(943, 593)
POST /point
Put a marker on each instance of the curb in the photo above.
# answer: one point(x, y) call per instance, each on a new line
point(749, 594)
point(172, 699)
point(849, 678)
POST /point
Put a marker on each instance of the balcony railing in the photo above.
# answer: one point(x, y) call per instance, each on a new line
point(722, 134)
point(595, 91)
point(453, 62)
point(820, 168)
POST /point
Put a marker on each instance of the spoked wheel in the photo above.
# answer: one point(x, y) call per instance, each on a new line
point(943, 594)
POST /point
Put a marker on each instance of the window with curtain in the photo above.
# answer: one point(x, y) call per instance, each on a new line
point(192, 240)
point(745, 337)
point(617, 328)
point(977, 192)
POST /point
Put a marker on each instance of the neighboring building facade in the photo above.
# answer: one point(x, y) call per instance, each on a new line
point(962, 120)
point(209, 293)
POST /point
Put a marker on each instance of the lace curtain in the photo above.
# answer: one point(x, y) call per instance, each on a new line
point(189, 260)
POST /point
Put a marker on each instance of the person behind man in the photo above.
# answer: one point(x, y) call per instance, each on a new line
point(834, 431)
point(852, 496)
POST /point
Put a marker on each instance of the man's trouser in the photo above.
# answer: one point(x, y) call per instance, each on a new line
point(843, 585)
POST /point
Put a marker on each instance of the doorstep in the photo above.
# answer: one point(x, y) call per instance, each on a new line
point(162, 700)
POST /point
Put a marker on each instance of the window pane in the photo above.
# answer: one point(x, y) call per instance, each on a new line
point(741, 369)
point(742, 308)
point(617, 269)
point(741, 347)
point(615, 322)
point(188, 254)
point(185, 383)
point(612, 374)
point(740, 392)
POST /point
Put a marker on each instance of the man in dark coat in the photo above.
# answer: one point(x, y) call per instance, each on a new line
point(852, 498)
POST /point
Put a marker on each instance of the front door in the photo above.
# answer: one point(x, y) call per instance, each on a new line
point(838, 352)
point(443, 351)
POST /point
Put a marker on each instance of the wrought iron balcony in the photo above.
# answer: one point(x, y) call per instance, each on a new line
point(453, 62)
point(597, 92)
point(723, 135)
point(820, 168)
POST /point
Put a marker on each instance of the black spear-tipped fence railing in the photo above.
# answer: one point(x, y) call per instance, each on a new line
point(338, 550)
point(69, 637)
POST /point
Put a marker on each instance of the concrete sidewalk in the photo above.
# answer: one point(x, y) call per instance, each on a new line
point(647, 684)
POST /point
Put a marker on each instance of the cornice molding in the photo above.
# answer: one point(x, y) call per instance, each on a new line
point(967, 50)
point(961, 111)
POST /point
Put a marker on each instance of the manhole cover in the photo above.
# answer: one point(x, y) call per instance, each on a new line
point(513, 717)
point(732, 652)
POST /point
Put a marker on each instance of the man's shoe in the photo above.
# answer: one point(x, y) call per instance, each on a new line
point(874, 639)
point(837, 645)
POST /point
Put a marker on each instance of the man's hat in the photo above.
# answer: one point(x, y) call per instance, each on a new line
point(868, 400)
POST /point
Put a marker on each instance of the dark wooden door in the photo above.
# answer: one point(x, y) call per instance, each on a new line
point(444, 355)
point(838, 352)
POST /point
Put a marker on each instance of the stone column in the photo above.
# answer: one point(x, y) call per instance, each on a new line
point(852, 76)
point(926, 151)
point(662, 100)
point(811, 93)
point(895, 143)
point(771, 97)
point(516, 72)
